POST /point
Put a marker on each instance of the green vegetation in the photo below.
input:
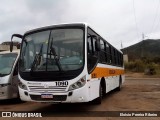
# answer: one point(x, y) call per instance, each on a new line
point(146, 66)
point(144, 57)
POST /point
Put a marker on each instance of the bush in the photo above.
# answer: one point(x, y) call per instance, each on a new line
point(142, 66)
point(135, 66)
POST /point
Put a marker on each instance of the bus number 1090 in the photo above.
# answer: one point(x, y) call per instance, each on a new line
point(62, 83)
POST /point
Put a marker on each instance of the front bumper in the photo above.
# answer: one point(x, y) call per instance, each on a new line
point(74, 96)
point(6, 93)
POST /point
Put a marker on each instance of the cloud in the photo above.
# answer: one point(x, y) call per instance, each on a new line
point(114, 20)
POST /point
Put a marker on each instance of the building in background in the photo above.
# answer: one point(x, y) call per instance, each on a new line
point(125, 58)
point(5, 46)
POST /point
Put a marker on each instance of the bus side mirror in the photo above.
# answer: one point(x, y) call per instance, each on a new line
point(11, 44)
point(97, 45)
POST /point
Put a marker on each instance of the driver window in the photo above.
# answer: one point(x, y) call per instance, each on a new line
point(15, 70)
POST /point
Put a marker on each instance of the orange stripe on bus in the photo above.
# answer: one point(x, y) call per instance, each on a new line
point(106, 72)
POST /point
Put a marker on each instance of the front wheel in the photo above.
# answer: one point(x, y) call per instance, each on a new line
point(99, 99)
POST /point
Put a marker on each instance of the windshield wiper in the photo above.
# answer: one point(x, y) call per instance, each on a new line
point(56, 58)
point(37, 59)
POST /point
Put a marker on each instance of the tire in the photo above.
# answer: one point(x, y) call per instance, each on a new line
point(98, 100)
point(18, 97)
point(120, 84)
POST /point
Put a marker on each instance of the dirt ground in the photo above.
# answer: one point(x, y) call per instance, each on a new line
point(139, 93)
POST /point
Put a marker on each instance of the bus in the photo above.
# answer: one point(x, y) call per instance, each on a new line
point(67, 63)
point(9, 75)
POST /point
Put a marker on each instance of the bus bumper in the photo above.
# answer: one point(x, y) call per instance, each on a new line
point(74, 96)
point(6, 92)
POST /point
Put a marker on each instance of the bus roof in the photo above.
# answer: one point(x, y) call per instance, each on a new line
point(57, 25)
point(70, 25)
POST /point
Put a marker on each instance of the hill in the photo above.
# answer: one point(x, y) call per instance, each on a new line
point(145, 49)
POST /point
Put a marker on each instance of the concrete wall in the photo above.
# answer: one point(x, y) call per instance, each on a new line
point(125, 58)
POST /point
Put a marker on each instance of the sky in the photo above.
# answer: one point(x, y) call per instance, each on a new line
point(120, 22)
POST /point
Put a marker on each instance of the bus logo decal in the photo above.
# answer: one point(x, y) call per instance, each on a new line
point(112, 71)
point(46, 86)
point(94, 75)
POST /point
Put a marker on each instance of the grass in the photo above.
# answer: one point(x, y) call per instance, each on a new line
point(139, 66)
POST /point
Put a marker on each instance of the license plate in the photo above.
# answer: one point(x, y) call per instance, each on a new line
point(46, 96)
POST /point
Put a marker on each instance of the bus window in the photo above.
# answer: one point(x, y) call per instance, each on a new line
point(110, 53)
point(92, 53)
point(93, 46)
point(89, 45)
point(15, 70)
point(7, 61)
point(102, 45)
point(102, 52)
point(115, 56)
point(107, 53)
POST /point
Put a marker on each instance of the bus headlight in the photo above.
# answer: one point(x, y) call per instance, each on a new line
point(3, 85)
point(80, 83)
point(22, 86)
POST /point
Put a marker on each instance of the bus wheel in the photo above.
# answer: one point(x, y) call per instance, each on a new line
point(120, 84)
point(98, 100)
point(18, 97)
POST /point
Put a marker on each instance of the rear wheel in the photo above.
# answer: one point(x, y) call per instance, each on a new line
point(120, 84)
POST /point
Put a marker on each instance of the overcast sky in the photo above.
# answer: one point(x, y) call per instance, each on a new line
point(115, 20)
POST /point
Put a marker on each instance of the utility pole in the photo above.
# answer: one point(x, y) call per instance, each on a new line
point(121, 45)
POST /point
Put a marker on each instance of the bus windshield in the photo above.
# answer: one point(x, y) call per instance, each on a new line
point(6, 63)
point(52, 50)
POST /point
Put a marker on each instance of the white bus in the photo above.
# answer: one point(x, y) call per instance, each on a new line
point(9, 75)
point(67, 63)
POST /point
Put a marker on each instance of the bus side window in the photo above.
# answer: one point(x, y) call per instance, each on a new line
point(89, 46)
point(93, 47)
point(91, 41)
point(15, 70)
point(102, 52)
point(110, 53)
point(107, 53)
